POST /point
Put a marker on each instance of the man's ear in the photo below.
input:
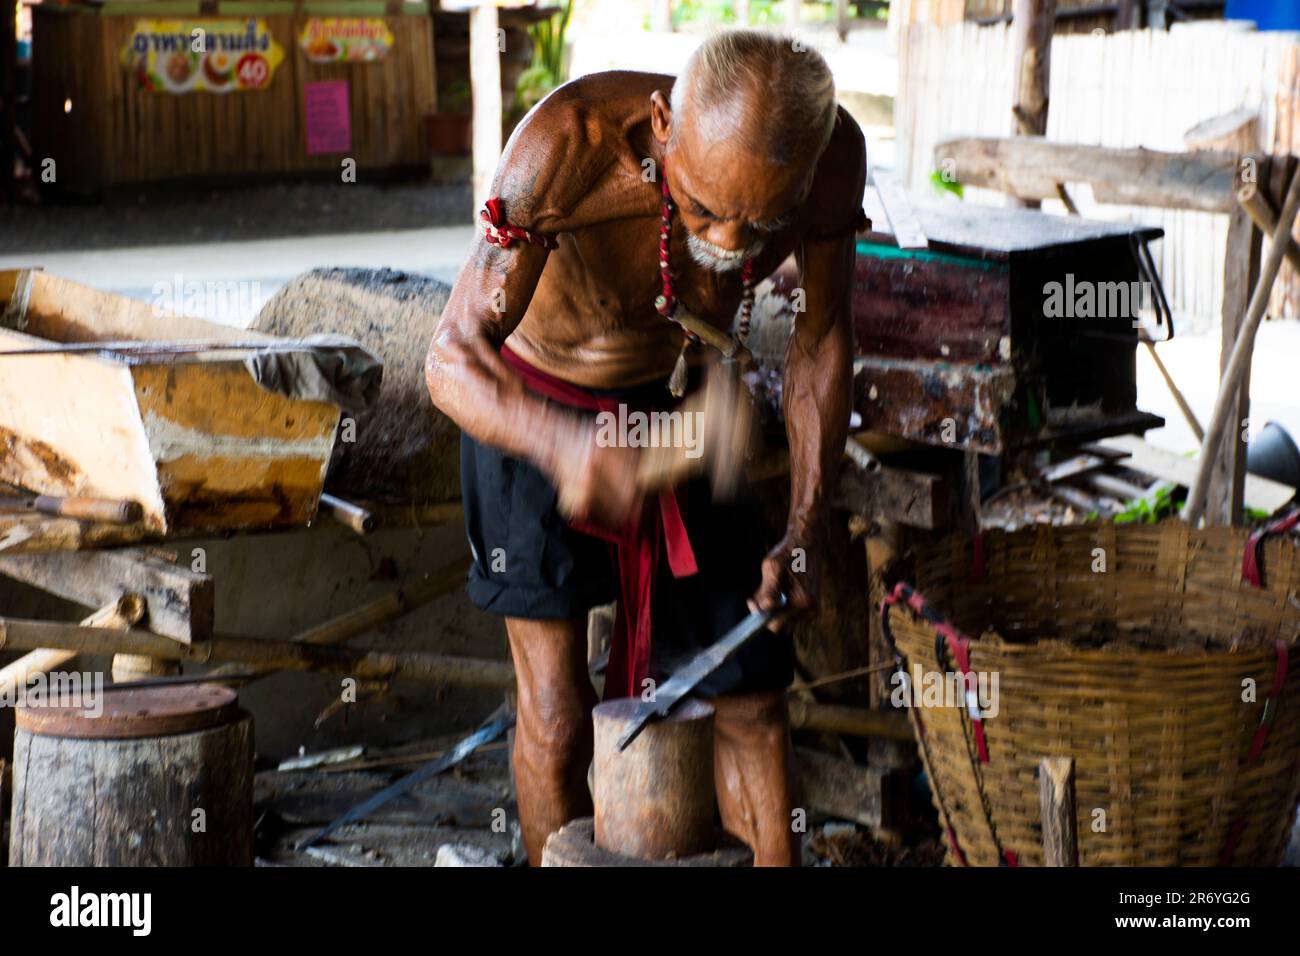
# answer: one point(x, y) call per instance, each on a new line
point(661, 116)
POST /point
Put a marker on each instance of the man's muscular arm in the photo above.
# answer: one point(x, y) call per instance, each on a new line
point(539, 181)
point(818, 381)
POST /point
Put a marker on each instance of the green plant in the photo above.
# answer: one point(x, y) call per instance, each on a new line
point(456, 98)
point(1150, 509)
point(942, 185)
point(547, 70)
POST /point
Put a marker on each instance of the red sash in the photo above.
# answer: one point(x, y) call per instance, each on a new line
point(635, 548)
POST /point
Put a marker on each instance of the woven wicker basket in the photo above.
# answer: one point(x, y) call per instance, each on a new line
point(1136, 672)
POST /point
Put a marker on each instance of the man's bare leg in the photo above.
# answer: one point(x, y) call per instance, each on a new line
point(754, 774)
point(553, 731)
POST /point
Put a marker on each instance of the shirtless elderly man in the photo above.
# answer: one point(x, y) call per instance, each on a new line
point(620, 199)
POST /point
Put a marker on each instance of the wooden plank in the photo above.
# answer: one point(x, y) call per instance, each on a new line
point(911, 498)
point(1057, 809)
point(929, 306)
point(1261, 493)
point(1241, 262)
point(179, 602)
point(871, 796)
point(958, 406)
point(1029, 167)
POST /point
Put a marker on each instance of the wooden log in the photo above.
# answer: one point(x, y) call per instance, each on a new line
point(1238, 363)
point(873, 796)
point(662, 16)
point(913, 498)
point(852, 721)
point(654, 800)
point(1241, 261)
point(1180, 400)
point(132, 667)
point(179, 602)
point(1030, 168)
point(19, 634)
point(1261, 213)
point(574, 844)
point(402, 450)
point(121, 614)
point(1056, 802)
point(371, 615)
point(147, 796)
point(1031, 54)
point(1262, 494)
point(1236, 131)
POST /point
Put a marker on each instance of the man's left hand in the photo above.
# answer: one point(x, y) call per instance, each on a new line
point(792, 568)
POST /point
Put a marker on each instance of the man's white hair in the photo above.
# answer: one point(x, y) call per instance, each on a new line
point(785, 88)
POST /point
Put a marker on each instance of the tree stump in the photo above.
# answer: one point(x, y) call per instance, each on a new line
point(654, 800)
point(162, 776)
point(405, 450)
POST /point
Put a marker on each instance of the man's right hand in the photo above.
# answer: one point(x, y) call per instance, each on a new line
point(596, 484)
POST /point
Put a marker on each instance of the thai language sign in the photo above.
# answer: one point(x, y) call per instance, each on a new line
point(219, 56)
point(345, 39)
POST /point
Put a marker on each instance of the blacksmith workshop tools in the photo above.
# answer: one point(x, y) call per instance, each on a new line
point(683, 683)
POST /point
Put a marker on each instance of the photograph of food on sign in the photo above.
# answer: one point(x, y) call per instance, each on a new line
point(806, 434)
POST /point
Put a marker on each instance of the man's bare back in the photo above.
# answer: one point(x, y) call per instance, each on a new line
point(592, 319)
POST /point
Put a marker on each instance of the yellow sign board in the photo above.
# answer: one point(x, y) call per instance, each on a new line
point(345, 39)
point(219, 56)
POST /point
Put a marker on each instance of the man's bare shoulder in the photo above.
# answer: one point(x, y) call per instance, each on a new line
point(563, 154)
point(841, 177)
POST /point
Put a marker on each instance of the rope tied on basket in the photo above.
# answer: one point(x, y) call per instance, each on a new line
point(946, 638)
point(1252, 559)
point(1257, 742)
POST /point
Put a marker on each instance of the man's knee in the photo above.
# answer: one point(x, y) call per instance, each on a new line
point(555, 693)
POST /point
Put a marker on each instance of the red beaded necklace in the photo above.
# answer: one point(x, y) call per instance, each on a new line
point(666, 302)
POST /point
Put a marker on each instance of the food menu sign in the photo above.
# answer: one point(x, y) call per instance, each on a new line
point(219, 56)
point(345, 39)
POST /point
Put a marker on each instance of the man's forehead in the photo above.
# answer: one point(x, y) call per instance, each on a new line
point(731, 180)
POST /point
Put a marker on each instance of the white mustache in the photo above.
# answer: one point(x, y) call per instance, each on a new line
point(717, 259)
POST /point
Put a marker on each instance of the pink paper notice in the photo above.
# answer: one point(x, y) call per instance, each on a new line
point(329, 125)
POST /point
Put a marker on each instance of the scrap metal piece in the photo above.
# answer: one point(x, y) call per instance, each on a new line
point(501, 721)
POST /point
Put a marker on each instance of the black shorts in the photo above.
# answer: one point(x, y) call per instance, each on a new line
point(528, 563)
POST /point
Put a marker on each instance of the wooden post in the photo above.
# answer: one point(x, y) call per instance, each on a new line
point(662, 16)
point(1238, 364)
point(485, 88)
point(1056, 802)
point(841, 9)
point(8, 98)
point(792, 12)
point(1126, 15)
point(120, 614)
point(1241, 261)
point(742, 12)
point(1031, 45)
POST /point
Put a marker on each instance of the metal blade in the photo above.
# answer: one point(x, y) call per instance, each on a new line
point(690, 676)
point(492, 728)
